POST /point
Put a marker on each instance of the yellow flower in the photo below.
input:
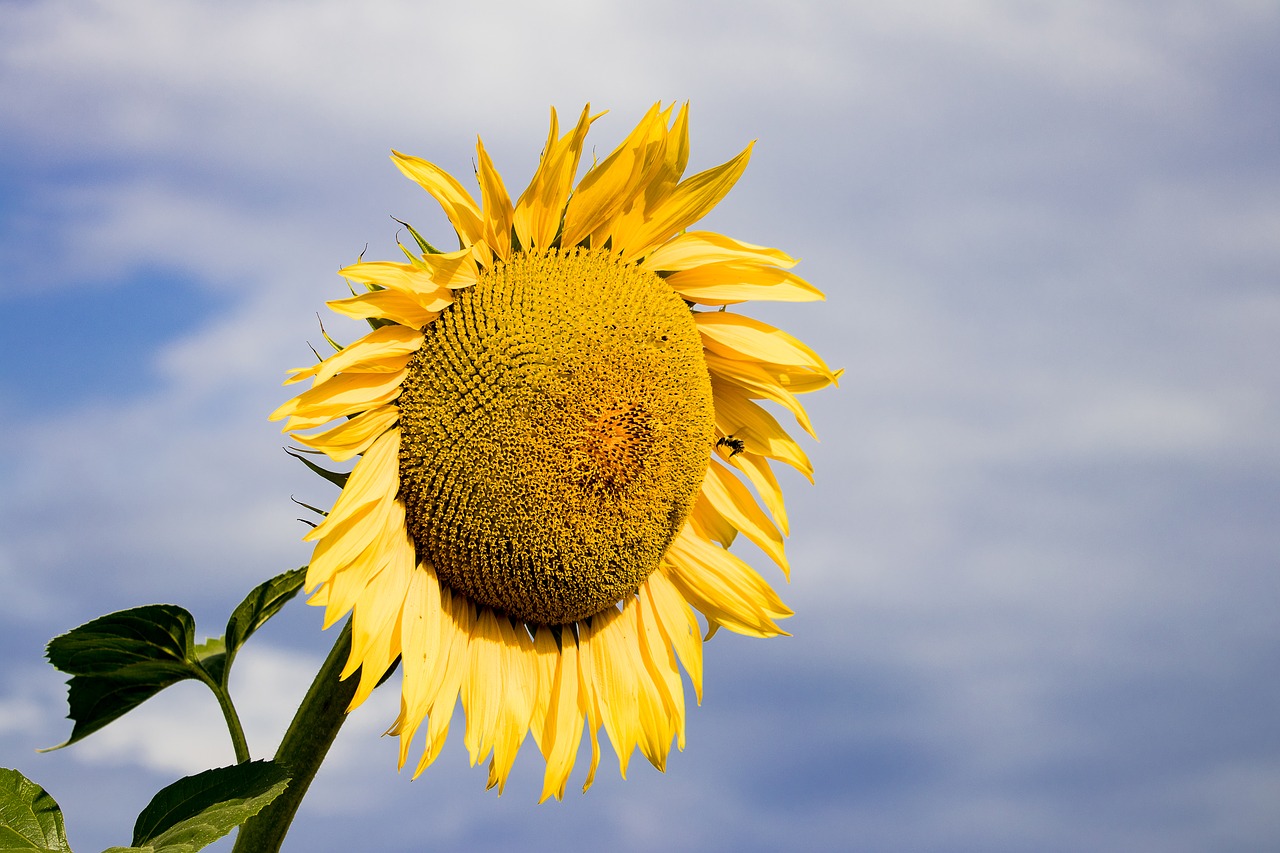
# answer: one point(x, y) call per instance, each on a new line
point(548, 425)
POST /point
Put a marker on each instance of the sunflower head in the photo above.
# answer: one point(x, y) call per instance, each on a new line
point(547, 461)
point(553, 428)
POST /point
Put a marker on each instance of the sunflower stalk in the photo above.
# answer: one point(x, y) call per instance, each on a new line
point(303, 749)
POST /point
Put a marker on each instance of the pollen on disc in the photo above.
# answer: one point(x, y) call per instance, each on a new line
point(556, 430)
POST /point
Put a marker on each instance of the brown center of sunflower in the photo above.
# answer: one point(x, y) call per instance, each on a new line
point(556, 428)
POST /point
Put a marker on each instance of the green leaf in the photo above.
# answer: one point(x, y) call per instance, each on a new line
point(30, 820)
point(154, 638)
point(196, 811)
point(427, 248)
point(212, 655)
point(119, 661)
point(261, 604)
point(338, 478)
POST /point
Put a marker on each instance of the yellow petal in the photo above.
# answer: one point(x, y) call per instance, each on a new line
point(482, 688)
point(497, 204)
point(688, 202)
point(613, 674)
point(388, 305)
point(383, 350)
point(539, 211)
point(746, 338)
point(562, 730)
point(678, 623)
point(658, 723)
point(737, 416)
point(726, 283)
point(458, 623)
point(709, 523)
point(608, 186)
point(519, 686)
point(422, 653)
point(800, 380)
point(411, 279)
point(696, 248)
point(757, 469)
point(458, 204)
point(757, 384)
point(547, 654)
point(725, 589)
point(345, 394)
point(588, 700)
point(351, 545)
point(733, 501)
point(660, 661)
point(376, 477)
point(353, 436)
point(677, 150)
point(648, 141)
point(375, 626)
point(451, 270)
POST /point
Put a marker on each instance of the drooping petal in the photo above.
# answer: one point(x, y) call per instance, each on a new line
point(735, 503)
point(354, 543)
point(723, 587)
point(561, 732)
point(614, 676)
point(678, 623)
point(458, 624)
point(588, 699)
point(482, 688)
point(519, 689)
point(657, 723)
point(660, 661)
point(758, 471)
point(760, 432)
point(375, 625)
point(375, 477)
point(423, 654)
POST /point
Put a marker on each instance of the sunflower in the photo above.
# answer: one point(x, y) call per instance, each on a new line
point(548, 422)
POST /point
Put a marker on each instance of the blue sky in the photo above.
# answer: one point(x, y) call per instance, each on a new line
point(1035, 581)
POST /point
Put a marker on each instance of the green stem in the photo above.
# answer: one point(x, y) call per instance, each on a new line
point(238, 742)
point(303, 749)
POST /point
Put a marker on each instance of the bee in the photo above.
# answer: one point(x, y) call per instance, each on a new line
point(735, 445)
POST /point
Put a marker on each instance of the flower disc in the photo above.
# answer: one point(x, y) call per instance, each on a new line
point(556, 431)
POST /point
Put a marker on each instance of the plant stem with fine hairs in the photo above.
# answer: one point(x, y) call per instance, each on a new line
point(303, 749)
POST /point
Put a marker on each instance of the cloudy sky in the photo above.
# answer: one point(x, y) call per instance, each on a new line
point(1036, 580)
